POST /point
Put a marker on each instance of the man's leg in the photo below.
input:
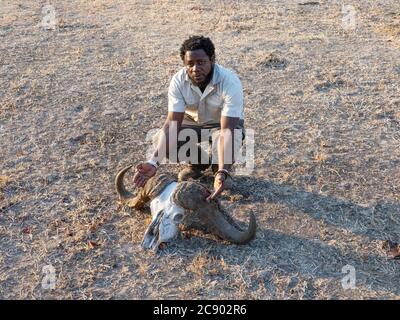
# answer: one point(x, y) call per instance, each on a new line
point(202, 162)
point(191, 132)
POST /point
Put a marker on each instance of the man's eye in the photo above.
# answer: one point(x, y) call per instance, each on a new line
point(199, 63)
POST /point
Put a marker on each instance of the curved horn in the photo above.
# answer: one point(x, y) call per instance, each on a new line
point(229, 232)
point(119, 185)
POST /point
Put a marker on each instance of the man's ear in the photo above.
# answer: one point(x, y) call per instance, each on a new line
point(212, 59)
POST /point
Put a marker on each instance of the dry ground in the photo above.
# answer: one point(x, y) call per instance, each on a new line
point(77, 102)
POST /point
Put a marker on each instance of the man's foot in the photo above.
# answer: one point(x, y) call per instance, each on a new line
point(192, 171)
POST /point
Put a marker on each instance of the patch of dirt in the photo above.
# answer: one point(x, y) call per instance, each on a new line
point(81, 100)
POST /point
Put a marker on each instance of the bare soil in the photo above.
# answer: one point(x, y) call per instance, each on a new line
point(77, 102)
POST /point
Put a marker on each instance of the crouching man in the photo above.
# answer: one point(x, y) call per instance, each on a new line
point(202, 97)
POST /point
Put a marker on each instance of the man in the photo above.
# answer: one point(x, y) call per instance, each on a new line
point(202, 95)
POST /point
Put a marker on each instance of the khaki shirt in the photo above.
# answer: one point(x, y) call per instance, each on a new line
point(222, 96)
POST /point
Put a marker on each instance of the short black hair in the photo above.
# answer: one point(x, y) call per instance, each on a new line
point(195, 43)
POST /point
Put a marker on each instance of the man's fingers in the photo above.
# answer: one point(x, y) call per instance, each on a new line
point(139, 169)
point(216, 193)
point(218, 188)
point(138, 177)
point(143, 181)
point(139, 180)
point(213, 196)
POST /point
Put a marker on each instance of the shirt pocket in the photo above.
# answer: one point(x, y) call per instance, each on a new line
point(214, 101)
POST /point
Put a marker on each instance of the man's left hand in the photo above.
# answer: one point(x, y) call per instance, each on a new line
point(219, 185)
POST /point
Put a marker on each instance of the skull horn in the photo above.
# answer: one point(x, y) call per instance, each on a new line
point(124, 194)
point(231, 233)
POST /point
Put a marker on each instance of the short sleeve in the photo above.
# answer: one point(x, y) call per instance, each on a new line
point(176, 103)
point(233, 98)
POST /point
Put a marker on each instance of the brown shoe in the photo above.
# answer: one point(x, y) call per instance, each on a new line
point(192, 171)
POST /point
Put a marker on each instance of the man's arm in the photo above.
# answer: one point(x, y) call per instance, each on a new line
point(225, 152)
point(166, 142)
point(226, 142)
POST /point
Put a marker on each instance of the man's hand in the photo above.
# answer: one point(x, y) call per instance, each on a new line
point(144, 172)
point(219, 185)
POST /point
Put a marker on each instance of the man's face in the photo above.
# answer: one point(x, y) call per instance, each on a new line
point(198, 65)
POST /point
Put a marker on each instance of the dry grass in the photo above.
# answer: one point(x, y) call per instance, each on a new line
point(76, 104)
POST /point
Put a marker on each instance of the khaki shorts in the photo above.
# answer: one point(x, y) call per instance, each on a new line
point(202, 137)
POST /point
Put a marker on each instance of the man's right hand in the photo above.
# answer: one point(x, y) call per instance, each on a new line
point(144, 172)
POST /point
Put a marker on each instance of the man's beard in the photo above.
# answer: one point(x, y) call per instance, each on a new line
point(207, 79)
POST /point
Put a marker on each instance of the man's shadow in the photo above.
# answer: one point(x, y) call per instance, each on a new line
point(378, 222)
point(293, 254)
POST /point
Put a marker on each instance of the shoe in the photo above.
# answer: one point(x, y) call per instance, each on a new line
point(192, 171)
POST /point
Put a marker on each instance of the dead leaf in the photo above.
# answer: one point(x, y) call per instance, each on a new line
point(319, 157)
point(92, 244)
point(3, 181)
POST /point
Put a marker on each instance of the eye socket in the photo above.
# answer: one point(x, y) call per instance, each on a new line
point(199, 63)
point(178, 217)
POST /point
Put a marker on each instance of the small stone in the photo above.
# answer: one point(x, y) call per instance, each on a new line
point(108, 112)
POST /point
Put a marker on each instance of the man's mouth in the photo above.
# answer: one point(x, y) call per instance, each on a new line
point(198, 78)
